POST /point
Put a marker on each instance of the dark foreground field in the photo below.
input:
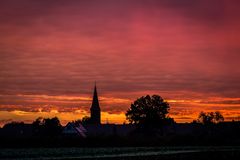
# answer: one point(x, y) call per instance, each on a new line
point(138, 153)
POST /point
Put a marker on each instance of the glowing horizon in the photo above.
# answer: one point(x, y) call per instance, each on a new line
point(74, 108)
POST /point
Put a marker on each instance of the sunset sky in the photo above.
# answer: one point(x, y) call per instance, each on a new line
point(52, 52)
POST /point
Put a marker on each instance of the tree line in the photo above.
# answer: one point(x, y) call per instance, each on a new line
point(146, 112)
point(154, 111)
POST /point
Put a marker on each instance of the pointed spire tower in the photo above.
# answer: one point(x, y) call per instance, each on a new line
point(95, 108)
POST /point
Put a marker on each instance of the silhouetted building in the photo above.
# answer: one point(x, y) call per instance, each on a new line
point(16, 130)
point(74, 129)
point(95, 108)
point(109, 129)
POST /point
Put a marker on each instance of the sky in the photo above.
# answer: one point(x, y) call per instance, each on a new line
point(53, 51)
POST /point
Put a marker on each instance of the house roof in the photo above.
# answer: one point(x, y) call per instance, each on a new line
point(75, 128)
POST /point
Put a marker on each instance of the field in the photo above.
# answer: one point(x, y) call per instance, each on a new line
point(122, 153)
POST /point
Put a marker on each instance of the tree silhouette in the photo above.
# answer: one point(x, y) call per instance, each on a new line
point(149, 111)
point(52, 126)
point(210, 117)
point(38, 126)
point(218, 117)
point(47, 126)
point(86, 120)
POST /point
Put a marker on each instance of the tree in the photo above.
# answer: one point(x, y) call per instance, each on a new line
point(210, 117)
point(52, 126)
point(206, 118)
point(38, 126)
point(86, 120)
point(47, 126)
point(149, 111)
point(218, 117)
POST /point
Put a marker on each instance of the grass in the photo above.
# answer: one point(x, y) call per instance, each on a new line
point(128, 153)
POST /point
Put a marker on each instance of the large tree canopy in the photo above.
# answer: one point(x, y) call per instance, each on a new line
point(149, 110)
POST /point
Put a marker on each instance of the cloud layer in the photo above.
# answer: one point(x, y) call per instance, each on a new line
point(51, 51)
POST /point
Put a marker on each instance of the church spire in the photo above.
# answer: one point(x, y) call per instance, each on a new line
point(95, 108)
point(95, 102)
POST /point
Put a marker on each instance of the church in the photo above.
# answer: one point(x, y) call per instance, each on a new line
point(94, 127)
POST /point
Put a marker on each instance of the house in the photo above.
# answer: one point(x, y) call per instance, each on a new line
point(74, 129)
point(109, 129)
point(16, 130)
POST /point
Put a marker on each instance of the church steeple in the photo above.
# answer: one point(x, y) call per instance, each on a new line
point(95, 108)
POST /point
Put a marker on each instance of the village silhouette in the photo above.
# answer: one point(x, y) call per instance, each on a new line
point(149, 125)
